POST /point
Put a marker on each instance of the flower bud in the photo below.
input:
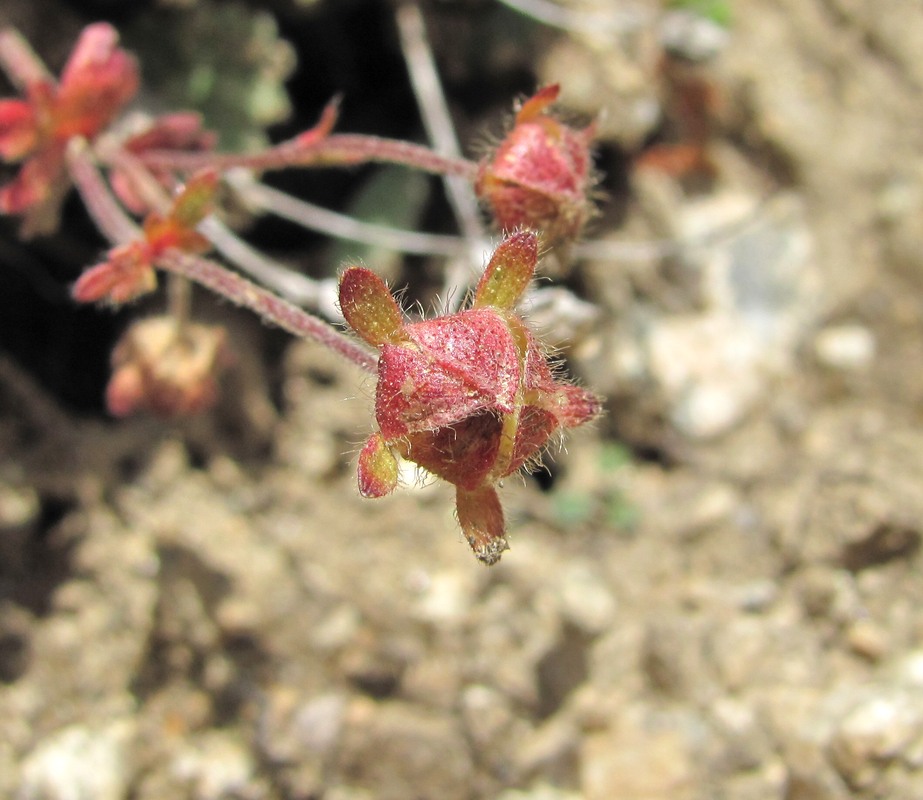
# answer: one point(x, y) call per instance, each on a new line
point(167, 369)
point(96, 83)
point(469, 396)
point(540, 177)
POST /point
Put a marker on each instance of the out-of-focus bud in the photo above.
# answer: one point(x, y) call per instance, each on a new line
point(167, 369)
point(540, 177)
point(96, 83)
point(128, 271)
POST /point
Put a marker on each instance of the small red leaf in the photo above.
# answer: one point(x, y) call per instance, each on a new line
point(324, 126)
point(536, 105)
point(124, 277)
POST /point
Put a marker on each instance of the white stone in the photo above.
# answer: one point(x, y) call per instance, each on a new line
point(78, 763)
point(845, 347)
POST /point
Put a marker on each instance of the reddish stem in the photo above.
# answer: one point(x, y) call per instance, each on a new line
point(19, 61)
point(335, 150)
point(108, 215)
point(270, 307)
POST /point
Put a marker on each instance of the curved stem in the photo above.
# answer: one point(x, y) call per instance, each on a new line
point(331, 223)
point(424, 77)
point(292, 285)
point(270, 307)
point(434, 109)
point(119, 229)
point(331, 151)
point(108, 215)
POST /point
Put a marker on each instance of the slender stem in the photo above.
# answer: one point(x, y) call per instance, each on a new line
point(314, 217)
point(424, 78)
point(270, 307)
point(295, 287)
point(144, 183)
point(119, 229)
point(658, 249)
point(440, 129)
point(179, 302)
point(108, 215)
point(331, 151)
point(19, 61)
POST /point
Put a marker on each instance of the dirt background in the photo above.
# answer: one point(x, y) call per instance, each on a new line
point(713, 594)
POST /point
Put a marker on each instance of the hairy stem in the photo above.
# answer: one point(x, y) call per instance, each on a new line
point(108, 215)
point(331, 151)
point(271, 308)
point(114, 224)
point(293, 286)
point(19, 61)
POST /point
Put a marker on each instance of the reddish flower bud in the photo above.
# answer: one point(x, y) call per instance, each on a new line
point(167, 369)
point(540, 176)
point(180, 132)
point(128, 271)
point(469, 396)
point(125, 275)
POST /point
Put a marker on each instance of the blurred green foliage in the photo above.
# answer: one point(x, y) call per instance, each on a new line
point(222, 59)
point(718, 11)
point(605, 503)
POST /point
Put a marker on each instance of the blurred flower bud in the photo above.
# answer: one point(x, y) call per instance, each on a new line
point(540, 176)
point(98, 80)
point(167, 369)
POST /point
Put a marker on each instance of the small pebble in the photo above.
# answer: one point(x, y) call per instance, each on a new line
point(867, 639)
point(875, 733)
point(585, 600)
point(78, 763)
point(845, 347)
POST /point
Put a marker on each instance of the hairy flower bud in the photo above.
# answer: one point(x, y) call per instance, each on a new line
point(540, 176)
point(470, 396)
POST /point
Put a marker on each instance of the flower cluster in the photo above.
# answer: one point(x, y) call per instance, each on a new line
point(97, 81)
point(470, 396)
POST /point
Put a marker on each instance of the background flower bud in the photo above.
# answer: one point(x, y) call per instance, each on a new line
point(166, 369)
point(540, 177)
